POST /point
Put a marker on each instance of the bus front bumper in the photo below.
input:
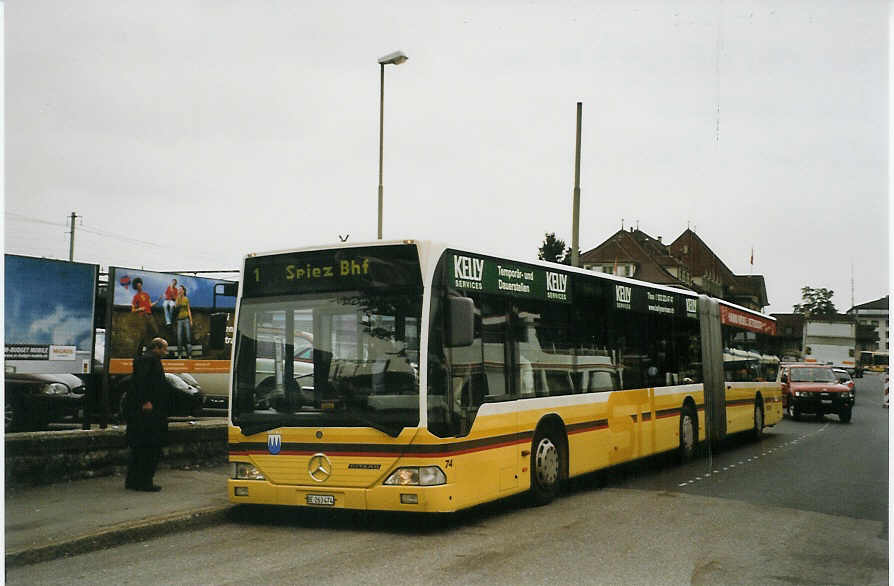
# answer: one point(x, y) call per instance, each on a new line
point(422, 499)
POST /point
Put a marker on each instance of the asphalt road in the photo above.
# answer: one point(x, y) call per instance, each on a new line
point(806, 505)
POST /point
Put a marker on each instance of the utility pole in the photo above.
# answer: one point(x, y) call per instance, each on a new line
point(575, 214)
point(71, 242)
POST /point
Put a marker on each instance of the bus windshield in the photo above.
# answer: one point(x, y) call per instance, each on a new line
point(345, 359)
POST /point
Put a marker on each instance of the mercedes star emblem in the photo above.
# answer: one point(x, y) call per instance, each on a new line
point(319, 467)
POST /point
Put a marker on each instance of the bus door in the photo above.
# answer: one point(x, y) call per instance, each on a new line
point(712, 368)
point(482, 397)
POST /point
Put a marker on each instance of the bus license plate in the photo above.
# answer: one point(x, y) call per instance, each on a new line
point(325, 500)
point(827, 401)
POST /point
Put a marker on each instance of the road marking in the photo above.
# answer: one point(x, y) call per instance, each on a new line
point(793, 442)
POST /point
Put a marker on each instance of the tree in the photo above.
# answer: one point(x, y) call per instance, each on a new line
point(552, 249)
point(815, 302)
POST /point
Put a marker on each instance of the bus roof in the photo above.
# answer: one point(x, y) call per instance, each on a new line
point(434, 248)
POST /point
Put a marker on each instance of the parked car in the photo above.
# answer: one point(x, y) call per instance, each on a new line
point(845, 378)
point(812, 388)
point(35, 400)
point(187, 398)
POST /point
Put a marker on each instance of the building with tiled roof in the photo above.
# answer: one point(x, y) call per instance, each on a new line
point(633, 253)
point(686, 263)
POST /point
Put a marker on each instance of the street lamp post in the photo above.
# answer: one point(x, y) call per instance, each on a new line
point(395, 58)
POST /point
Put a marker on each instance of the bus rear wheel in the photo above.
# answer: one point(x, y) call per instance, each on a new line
point(545, 467)
point(758, 429)
point(687, 433)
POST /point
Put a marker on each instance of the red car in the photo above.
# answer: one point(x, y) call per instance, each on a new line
point(812, 388)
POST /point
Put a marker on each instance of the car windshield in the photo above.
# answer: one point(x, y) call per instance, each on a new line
point(813, 375)
point(354, 361)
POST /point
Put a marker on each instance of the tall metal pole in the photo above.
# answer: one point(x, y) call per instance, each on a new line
point(381, 140)
point(71, 242)
point(575, 215)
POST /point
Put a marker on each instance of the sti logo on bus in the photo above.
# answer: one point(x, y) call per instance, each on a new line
point(274, 443)
point(468, 269)
point(623, 295)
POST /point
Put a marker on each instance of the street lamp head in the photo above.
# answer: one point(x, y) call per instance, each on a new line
point(395, 58)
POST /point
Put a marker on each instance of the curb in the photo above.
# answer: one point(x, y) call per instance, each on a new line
point(126, 532)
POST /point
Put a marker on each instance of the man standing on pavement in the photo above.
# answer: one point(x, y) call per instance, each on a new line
point(147, 417)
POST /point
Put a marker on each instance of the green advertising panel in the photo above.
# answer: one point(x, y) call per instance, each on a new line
point(475, 273)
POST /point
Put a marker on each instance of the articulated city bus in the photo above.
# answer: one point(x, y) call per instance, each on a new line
point(410, 376)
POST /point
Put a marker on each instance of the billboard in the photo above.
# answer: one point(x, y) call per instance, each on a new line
point(194, 315)
point(48, 307)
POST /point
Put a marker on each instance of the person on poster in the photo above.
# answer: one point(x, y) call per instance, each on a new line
point(184, 324)
point(147, 405)
point(170, 301)
point(142, 304)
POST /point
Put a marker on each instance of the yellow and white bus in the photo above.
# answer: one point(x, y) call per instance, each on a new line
point(443, 378)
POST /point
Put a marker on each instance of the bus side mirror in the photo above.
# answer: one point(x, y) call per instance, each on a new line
point(461, 322)
point(784, 378)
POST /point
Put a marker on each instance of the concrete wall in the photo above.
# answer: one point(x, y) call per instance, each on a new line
point(47, 457)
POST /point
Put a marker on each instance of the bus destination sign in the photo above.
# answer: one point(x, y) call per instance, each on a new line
point(472, 273)
point(341, 269)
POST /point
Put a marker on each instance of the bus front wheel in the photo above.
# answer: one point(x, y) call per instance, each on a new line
point(545, 467)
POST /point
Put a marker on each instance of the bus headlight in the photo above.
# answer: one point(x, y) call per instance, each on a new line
point(417, 476)
point(245, 471)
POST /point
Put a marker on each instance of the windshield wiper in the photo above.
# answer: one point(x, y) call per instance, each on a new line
point(253, 427)
point(390, 430)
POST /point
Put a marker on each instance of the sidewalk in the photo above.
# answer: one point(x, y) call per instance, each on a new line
point(47, 522)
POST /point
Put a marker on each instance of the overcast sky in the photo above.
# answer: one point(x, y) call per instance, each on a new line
point(188, 133)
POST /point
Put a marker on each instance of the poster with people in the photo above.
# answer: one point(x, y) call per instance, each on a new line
point(48, 307)
point(194, 314)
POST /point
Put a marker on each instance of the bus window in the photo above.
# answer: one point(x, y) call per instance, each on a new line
point(746, 357)
point(626, 349)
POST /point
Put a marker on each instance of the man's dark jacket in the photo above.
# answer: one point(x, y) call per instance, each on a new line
point(148, 384)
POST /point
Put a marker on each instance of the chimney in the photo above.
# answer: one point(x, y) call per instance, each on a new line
point(659, 240)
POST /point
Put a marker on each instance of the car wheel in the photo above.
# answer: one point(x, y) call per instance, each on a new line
point(845, 414)
point(758, 431)
point(546, 461)
point(687, 434)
